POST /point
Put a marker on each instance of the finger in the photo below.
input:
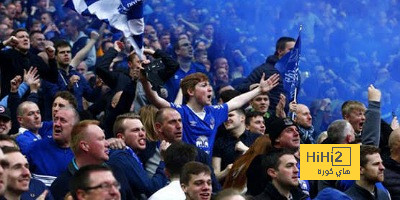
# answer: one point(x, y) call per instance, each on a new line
point(263, 76)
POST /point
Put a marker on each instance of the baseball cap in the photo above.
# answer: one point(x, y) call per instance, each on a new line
point(4, 112)
point(277, 126)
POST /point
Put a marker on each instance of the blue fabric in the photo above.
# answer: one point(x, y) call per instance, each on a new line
point(173, 84)
point(124, 15)
point(26, 139)
point(47, 158)
point(137, 177)
point(21, 92)
point(288, 67)
point(198, 132)
point(81, 89)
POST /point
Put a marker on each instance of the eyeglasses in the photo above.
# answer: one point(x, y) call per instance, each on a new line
point(104, 186)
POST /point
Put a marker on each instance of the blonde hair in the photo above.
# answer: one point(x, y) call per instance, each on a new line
point(147, 115)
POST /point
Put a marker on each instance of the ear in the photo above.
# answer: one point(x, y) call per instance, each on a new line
point(84, 146)
point(242, 118)
point(80, 194)
point(120, 136)
point(271, 172)
point(190, 92)
point(346, 117)
point(19, 119)
point(129, 64)
point(362, 170)
point(184, 188)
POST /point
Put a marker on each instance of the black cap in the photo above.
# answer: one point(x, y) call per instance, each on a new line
point(4, 112)
point(277, 126)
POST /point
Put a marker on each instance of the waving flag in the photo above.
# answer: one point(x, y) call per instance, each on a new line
point(288, 67)
point(124, 15)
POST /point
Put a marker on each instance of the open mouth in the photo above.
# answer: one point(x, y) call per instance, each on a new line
point(205, 195)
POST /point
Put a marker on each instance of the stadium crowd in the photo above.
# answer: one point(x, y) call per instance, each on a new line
point(203, 115)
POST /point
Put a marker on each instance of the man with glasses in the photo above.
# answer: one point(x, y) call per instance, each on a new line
point(95, 182)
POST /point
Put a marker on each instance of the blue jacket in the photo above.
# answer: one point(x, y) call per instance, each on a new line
point(46, 158)
point(136, 174)
point(80, 89)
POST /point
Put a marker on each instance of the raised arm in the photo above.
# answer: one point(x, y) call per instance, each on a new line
point(80, 56)
point(152, 95)
point(265, 86)
point(372, 126)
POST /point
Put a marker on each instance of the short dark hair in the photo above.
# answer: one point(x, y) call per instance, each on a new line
point(228, 95)
point(61, 43)
point(67, 96)
point(367, 150)
point(281, 43)
point(80, 180)
point(272, 159)
point(14, 33)
point(252, 114)
point(32, 33)
point(193, 168)
point(177, 155)
point(7, 150)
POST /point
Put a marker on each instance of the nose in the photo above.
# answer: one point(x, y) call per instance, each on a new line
point(296, 170)
point(381, 167)
point(178, 125)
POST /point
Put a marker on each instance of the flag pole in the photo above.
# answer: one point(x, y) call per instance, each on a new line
point(295, 89)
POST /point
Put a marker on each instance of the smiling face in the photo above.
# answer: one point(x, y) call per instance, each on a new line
point(18, 174)
point(199, 187)
point(134, 134)
point(256, 125)
point(235, 120)
point(260, 103)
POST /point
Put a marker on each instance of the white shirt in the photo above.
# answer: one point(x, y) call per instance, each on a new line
point(172, 191)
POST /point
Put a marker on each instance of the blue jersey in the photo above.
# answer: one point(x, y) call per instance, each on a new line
point(198, 132)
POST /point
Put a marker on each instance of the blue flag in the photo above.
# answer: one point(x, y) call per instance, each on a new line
point(288, 67)
point(124, 15)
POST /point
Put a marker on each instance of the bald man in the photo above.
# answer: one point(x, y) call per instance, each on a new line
point(392, 164)
point(303, 120)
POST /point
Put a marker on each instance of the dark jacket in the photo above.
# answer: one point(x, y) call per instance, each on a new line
point(358, 193)
point(13, 63)
point(271, 193)
point(269, 69)
point(392, 177)
point(61, 186)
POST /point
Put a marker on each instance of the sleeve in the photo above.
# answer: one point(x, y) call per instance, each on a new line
point(102, 68)
point(217, 149)
point(46, 72)
point(13, 101)
point(220, 113)
point(90, 60)
point(137, 176)
point(254, 77)
point(372, 126)
point(171, 65)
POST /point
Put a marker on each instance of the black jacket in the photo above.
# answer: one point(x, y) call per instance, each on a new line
point(13, 63)
point(269, 69)
point(358, 193)
point(271, 193)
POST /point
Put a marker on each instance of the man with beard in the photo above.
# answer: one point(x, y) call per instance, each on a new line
point(196, 181)
point(371, 172)
point(280, 166)
point(38, 42)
